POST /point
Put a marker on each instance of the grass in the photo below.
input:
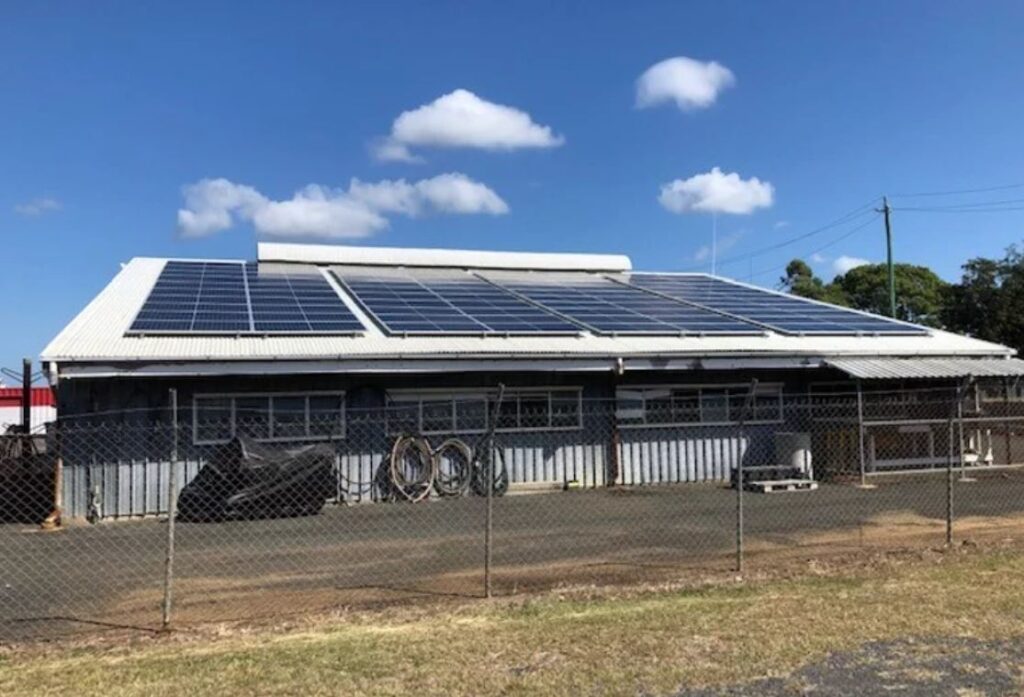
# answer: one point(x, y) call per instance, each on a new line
point(601, 642)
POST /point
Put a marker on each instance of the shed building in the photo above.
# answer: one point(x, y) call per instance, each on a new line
point(611, 375)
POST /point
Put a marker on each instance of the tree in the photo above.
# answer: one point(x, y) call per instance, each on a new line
point(920, 293)
point(987, 302)
point(800, 280)
point(973, 306)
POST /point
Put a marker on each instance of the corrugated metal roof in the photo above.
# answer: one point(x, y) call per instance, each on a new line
point(457, 258)
point(892, 368)
point(97, 334)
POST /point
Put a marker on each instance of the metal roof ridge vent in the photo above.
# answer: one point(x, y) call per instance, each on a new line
point(322, 254)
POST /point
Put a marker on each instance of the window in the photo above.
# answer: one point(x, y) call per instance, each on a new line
point(471, 414)
point(714, 406)
point(326, 415)
point(212, 418)
point(268, 417)
point(441, 413)
point(252, 417)
point(290, 418)
point(676, 406)
point(437, 415)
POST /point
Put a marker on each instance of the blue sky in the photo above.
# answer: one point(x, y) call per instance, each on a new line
point(109, 110)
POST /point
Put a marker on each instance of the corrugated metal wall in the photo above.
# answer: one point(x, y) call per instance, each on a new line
point(132, 488)
point(125, 489)
point(689, 454)
point(137, 488)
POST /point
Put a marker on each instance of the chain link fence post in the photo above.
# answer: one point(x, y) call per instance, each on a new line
point(956, 412)
point(949, 485)
point(172, 499)
point(740, 484)
point(489, 523)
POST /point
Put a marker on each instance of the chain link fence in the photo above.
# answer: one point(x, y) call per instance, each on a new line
point(174, 517)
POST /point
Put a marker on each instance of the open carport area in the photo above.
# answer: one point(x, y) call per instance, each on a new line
point(90, 578)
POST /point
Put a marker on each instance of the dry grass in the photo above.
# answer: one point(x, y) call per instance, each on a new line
point(579, 641)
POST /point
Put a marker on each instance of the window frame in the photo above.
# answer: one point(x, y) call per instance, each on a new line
point(233, 398)
point(488, 397)
point(638, 393)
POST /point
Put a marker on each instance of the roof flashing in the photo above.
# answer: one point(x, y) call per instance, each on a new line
point(439, 258)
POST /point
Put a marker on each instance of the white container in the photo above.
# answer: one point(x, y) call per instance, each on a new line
point(793, 449)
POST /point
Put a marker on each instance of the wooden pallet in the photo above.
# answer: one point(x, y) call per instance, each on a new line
point(775, 486)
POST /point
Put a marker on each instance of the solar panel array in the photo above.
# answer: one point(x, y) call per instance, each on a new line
point(196, 297)
point(784, 313)
point(614, 308)
point(449, 304)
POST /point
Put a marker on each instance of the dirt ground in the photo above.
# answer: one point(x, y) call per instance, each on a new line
point(110, 576)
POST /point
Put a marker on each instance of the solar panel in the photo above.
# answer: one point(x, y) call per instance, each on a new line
point(784, 313)
point(196, 297)
point(296, 300)
point(447, 303)
point(614, 308)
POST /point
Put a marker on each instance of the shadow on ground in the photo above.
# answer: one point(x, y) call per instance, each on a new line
point(933, 667)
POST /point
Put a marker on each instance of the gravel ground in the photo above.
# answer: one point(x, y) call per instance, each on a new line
point(933, 667)
point(85, 577)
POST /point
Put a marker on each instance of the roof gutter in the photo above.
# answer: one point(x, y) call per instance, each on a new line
point(446, 364)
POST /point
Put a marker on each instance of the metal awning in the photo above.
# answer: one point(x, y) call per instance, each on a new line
point(928, 368)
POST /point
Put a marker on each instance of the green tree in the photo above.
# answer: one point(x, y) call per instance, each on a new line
point(800, 280)
point(988, 301)
point(920, 293)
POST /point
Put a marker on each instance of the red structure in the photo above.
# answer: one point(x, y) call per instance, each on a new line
point(42, 403)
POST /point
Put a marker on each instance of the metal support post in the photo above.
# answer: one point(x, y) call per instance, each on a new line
point(740, 484)
point(949, 486)
point(489, 525)
point(172, 500)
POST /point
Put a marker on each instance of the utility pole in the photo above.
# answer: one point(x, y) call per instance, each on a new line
point(26, 395)
point(886, 209)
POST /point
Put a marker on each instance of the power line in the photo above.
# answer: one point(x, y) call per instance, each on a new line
point(959, 192)
point(846, 218)
point(960, 210)
point(829, 245)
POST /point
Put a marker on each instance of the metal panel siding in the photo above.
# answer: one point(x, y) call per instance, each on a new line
point(127, 489)
point(137, 488)
point(688, 454)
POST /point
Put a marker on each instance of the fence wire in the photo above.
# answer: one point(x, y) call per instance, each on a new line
point(310, 506)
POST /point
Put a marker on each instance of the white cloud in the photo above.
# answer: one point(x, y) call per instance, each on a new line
point(318, 211)
point(212, 205)
point(779, 224)
point(845, 263)
point(387, 150)
point(461, 119)
point(690, 83)
point(818, 258)
point(38, 206)
point(445, 193)
point(716, 192)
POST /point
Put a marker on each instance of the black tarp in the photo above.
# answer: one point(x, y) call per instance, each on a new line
point(246, 480)
point(26, 479)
